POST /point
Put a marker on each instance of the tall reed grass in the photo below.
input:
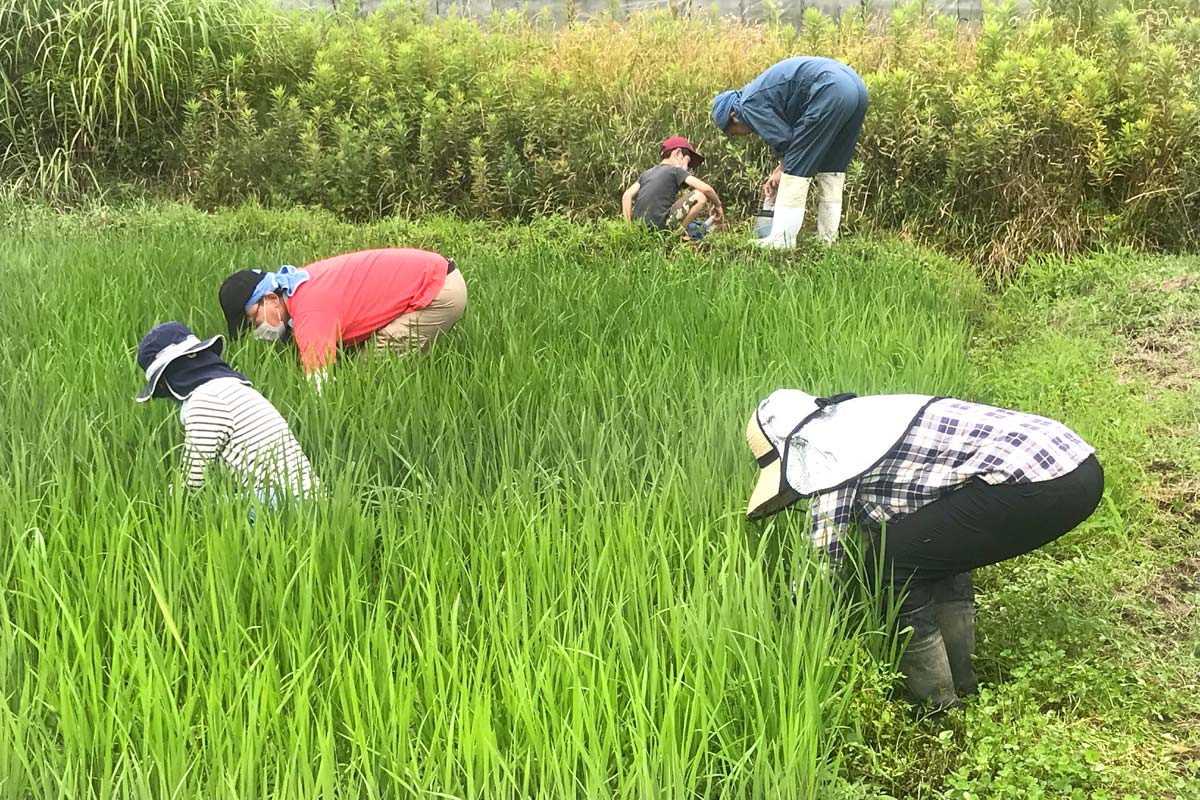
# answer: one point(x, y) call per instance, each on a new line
point(1057, 130)
point(532, 577)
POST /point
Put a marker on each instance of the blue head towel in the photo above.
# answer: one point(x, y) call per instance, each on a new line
point(284, 282)
point(724, 103)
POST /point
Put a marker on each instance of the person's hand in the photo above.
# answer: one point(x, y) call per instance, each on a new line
point(772, 184)
point(718, 215)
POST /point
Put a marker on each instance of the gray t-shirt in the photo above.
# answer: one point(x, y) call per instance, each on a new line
point(659, 186)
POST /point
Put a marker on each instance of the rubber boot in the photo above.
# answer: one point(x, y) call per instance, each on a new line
point(924, 663)
point(954, 611)
point(829, 208)
point(927, 673)
point(789, 212)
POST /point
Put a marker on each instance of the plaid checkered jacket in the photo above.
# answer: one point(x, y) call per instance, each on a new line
point(951, 442)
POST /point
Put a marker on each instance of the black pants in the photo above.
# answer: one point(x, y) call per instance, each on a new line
point(928, 552)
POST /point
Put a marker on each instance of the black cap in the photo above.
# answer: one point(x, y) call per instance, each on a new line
point(235, 293)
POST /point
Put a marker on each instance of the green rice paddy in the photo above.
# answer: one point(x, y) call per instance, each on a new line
point(532, 576)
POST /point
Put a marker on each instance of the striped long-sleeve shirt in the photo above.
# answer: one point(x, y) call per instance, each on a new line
point(228, 421)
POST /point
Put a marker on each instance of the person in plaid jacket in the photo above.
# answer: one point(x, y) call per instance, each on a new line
point(939, 487)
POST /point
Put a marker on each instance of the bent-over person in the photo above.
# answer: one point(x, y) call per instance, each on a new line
point(936, 487)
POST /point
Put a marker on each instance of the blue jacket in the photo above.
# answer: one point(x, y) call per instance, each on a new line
point(773, 103)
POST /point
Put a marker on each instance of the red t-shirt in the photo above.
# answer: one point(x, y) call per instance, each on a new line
point(348, 297)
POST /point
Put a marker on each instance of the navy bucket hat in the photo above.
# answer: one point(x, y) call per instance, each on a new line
point(170, 341)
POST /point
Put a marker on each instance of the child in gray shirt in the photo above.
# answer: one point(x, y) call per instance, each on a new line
point(653, 198)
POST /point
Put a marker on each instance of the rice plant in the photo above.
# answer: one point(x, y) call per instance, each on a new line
point(531, 576)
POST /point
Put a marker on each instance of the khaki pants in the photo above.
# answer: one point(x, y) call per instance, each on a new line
point(416, 329)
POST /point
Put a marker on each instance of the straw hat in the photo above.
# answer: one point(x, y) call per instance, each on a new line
point(806, 445)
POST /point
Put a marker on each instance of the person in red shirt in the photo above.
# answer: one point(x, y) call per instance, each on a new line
point(403, 298)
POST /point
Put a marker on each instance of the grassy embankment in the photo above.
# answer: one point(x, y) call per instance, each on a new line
point(1090, 648)
point(532, 576)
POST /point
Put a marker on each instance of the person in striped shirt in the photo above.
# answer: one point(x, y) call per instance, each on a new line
point(225, 420)
point(938, 487)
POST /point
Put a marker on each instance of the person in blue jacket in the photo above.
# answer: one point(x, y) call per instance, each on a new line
point(810, 111)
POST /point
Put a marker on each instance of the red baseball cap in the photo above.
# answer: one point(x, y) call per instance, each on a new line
point(683, 144)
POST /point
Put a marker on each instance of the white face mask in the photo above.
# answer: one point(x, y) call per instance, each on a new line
point(270, 333)
point(266, 332)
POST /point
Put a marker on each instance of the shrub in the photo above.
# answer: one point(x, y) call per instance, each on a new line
point(1050, 132)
